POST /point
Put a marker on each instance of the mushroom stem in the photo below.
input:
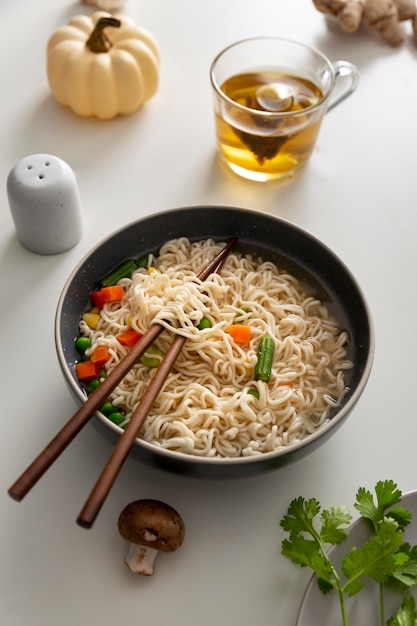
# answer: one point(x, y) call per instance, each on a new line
point(140, 559)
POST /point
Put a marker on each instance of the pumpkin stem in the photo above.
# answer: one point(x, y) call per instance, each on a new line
point(98, 40)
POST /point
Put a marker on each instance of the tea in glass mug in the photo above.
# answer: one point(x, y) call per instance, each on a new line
point(270, 97)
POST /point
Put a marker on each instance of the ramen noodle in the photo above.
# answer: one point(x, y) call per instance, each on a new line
point(204, 408)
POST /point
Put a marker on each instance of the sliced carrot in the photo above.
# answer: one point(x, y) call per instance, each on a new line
point(112, 293)
point(241, 333)
point(100, 355)
point(107, 294)
point(129, 338)
point(86, 370)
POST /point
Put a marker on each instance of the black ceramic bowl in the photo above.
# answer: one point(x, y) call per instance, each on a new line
point(275, 239)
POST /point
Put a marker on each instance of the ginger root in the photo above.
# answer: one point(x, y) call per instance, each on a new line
point(106, 5)
point(381, 16)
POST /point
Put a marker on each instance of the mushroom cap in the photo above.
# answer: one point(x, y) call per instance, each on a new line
point(153, 524)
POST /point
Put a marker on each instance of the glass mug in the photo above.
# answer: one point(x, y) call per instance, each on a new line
point(270, 97)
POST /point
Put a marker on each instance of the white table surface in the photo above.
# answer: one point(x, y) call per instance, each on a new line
point(358, 195)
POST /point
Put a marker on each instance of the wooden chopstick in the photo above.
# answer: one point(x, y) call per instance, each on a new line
point(123, 446)
point(64, 437)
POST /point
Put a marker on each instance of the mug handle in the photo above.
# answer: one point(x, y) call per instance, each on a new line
point(346, 81)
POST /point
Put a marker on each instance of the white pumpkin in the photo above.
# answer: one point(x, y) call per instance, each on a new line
point(102, 65)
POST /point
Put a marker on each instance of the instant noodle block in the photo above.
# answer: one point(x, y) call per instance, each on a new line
point(279, 344)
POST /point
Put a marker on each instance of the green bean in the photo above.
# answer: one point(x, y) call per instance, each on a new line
point(254, 392)
point(143, 261)
point(124, 270)
point(263, 367)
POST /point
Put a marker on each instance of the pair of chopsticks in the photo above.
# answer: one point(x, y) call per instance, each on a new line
point(95, 400)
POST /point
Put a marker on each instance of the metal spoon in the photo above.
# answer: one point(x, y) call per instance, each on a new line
point(275, 97)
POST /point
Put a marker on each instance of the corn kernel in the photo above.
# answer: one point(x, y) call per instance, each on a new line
point(91, 319)
point(248, 368)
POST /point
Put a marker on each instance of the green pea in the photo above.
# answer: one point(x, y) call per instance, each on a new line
point(82, 344)
point(117, 417)
point(107, 409)
point(93, 384)
point(204, 323)
point(240, 314)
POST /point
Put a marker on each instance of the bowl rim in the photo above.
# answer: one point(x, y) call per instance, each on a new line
point(173, 455)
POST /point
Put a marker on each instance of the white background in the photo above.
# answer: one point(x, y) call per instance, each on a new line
point(358, 194)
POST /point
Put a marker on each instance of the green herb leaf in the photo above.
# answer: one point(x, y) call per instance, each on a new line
point(376, 559)
point(306, 553)
point(299, 522)
point(300, 515)
point(407, 615)
point(325, 586)
point(406, 570)
point(353, 567)
point(331, 522)
point(401, 516)
point(387, 495)
point(384, 558)
point(406, 574)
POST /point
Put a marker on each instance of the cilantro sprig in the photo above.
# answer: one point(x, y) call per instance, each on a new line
point(384, 558)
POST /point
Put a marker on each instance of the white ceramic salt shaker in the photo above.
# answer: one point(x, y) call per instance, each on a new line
point(45, 204)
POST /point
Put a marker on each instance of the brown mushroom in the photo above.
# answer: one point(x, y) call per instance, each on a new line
point(149, 526)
